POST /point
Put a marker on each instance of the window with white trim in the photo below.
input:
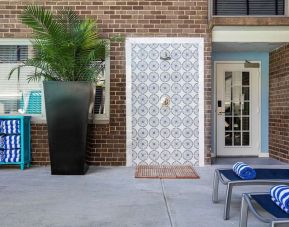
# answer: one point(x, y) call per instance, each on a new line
point(18, 96)
point(102, 92)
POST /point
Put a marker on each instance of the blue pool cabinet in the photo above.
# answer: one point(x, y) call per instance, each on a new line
point(20, 132)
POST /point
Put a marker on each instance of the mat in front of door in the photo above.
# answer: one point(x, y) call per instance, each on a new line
point(165, 172)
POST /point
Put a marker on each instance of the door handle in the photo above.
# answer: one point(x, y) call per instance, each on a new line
point(220, 113)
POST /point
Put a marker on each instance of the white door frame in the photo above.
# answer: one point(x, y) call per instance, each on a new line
point(128, 44)
point(260, 154)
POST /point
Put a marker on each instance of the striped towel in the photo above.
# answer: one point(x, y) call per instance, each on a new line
point(10, 126)
point(280, 195)
point(244, 171)
point(2, 155)
point(1, 142)
point(10, 142)
point(12, 155)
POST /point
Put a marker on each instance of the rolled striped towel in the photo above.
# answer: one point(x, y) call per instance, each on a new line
point(244, 171)
point(11, 142)
point(280, 195)
point(1, 142)
point(10, 126)
point(2, 155)
point(12, 155)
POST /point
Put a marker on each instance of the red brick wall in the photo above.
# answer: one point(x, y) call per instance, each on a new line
point(39, 144)
point(279, 104)
point(145, 18)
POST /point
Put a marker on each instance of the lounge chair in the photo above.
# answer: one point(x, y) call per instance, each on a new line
point(229, 178)
point(279, 217)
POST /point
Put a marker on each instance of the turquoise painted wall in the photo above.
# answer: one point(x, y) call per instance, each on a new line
point(264, 58)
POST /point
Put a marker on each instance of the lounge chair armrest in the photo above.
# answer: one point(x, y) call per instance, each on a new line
point(276, 223)
point(248, 199)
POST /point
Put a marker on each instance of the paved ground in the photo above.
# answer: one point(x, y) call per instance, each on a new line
point(112, 197)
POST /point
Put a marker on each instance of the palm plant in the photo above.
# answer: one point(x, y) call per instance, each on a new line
point(66, 47)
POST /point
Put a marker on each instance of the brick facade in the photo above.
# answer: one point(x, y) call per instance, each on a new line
point(146, 18)
point(278, 104)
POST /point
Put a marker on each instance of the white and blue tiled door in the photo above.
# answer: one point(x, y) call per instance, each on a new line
point(164, 101)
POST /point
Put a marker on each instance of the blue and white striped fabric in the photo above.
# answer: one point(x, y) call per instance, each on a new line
point(12, 155)
point(1, 142)
point(10, 126)
point(2, 155)
point(280, 195)
point(10, 142)
point(244, 171)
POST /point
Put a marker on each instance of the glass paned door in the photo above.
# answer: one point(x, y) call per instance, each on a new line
point(237, 110)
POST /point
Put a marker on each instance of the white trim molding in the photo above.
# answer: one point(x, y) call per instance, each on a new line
point(251, 34)
point(128, 103)
point(263, 155)
point(147, 40)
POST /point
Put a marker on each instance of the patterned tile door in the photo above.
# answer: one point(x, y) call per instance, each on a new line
point(164, 103)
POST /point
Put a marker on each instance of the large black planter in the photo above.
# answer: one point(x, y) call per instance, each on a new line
point(68, 105)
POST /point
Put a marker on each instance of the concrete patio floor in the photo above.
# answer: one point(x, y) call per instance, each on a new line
point(112, 197)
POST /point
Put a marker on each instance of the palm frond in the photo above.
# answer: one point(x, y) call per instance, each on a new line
point(65, 45)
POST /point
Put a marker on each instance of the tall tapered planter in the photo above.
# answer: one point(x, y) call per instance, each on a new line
point(68, 105)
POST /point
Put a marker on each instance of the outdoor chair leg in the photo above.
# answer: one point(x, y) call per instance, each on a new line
point(228, 201)
point(279, 223)
point(244, 213)
point(215, 187)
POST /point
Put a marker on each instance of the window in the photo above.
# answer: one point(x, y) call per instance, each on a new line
point(102, 93)
point(17, 96)
point(248, 7)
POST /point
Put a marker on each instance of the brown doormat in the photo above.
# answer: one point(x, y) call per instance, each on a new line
point(165, 172)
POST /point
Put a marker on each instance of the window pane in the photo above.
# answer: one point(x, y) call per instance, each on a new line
point(228, 124)
point(228, 108)
point(237, 79)
point(246, 93)
point(228, 87)
point(102, 85)
point(246, 139)
point(246, 123)
point(237, 108)
point(246, 108)
point(237, 138)
point(99, 100)
point(17, 96)
point(237, 123)
point(245, 78)
point(13, 53)
point(228, 139)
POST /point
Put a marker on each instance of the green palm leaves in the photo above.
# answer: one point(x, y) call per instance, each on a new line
point(66, 47)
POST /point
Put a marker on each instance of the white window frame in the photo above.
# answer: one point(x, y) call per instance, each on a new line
point(41, 119)
point(35, 118)
point(104, 118)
